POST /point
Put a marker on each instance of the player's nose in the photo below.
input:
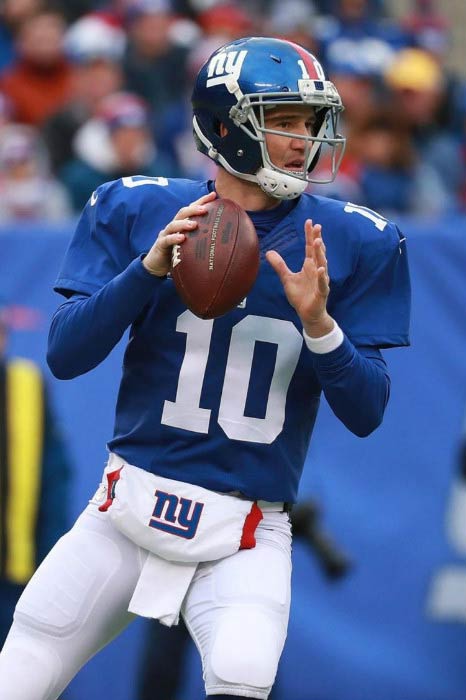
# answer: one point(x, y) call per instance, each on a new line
point(298, 144)
point(300, 133)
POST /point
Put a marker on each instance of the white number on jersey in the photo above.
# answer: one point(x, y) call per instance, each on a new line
point(138, 180)
point(185, 411)
point(378, 220)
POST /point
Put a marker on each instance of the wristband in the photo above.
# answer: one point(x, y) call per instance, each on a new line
point(326, 343)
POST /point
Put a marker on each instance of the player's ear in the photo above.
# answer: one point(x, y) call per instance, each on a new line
point(223, 130)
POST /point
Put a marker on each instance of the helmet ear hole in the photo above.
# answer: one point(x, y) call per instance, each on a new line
point(222, 130)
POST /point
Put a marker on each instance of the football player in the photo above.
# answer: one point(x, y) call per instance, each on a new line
point(223, 407)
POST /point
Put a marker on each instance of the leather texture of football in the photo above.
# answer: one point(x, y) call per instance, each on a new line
point(217, 264)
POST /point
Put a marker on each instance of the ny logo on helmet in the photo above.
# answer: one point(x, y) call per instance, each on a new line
point(225, 67)
point(177, 516)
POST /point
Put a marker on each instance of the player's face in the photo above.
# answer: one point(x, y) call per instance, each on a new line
point(289, 152)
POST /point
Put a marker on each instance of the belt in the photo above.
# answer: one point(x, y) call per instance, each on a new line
point(278, 506)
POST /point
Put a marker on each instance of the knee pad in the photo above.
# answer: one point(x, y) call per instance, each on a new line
point(246, 649)
point(28, 668)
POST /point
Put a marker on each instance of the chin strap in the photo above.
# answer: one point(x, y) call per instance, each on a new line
point(280, 185)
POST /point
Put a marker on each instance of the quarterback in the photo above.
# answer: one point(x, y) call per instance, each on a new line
point(214, 417)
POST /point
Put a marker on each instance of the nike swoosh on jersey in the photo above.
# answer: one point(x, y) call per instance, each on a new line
point(94, 197)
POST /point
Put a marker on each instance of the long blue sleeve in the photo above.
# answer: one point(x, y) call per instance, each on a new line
point(86, 328)
point(356, 385)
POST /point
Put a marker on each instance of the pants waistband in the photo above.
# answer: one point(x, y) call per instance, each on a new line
point(278, 506)
point(115, 461)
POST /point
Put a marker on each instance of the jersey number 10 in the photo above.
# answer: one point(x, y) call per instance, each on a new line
point(186, 413)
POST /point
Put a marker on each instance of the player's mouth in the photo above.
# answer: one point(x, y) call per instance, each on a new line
point(295, 166)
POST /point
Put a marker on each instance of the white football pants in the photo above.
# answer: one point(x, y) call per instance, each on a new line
point(236, 610)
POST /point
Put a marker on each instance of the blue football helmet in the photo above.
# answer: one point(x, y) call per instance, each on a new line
point(238, 84)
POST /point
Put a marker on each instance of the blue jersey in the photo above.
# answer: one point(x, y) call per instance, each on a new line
point(230, 403)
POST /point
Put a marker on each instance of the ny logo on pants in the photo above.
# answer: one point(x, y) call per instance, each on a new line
point(177, 516)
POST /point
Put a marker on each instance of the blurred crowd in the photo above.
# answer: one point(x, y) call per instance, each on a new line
point(93, 90)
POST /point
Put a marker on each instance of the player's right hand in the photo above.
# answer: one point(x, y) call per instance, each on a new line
point(158, 259)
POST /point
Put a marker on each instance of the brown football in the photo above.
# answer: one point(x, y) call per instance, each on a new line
point(217, 264)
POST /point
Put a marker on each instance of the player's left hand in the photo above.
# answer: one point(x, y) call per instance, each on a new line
point(308, 290)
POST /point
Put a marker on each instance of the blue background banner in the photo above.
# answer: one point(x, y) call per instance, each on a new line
point(395, 627)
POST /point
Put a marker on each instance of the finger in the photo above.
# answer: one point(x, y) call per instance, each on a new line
point(201, 202)
point(175, 228)
point(178, 225)
point(310, 269)
point(209, 197)
point(193, 209)
point(197, 207)
point(317, 233)
point(318, 236)
point(323, 281)
point(319, 249)
point(308, 230)
point(171, 239)
point(278, 264)
point(313, 232)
